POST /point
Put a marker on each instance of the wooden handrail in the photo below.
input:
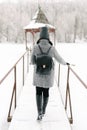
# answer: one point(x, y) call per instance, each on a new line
point(68, 96)
point(15, 76)
point(11, 69)
point(78, 77)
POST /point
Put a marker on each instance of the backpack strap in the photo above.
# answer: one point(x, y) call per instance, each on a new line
point(40, 48)
point(42, 51)
point(48, 49)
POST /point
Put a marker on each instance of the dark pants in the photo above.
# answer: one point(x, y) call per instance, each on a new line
point(44, 91)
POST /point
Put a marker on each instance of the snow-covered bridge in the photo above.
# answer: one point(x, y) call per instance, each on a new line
point(25, 114)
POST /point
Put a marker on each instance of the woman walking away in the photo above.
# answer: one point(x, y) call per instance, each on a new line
point(43, 78)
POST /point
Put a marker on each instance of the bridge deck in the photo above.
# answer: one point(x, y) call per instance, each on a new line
point(25, 115)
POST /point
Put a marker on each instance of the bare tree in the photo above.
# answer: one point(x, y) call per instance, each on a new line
point(69, 19)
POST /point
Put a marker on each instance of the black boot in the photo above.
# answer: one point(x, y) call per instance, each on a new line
point(45, 101)
point(39, 106)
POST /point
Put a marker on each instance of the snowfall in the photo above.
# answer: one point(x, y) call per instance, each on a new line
point(73, 53)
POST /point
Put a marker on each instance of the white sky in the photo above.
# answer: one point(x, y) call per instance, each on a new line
point(8, 1)
point(15, 1)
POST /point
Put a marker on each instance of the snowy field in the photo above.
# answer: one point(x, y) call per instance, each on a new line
point(72, 53)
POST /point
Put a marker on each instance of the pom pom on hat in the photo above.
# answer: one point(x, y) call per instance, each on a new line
point(44, 33)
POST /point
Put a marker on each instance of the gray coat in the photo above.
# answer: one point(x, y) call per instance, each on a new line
point(45, 81)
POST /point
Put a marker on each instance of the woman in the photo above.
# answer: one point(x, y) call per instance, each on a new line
point(44, 82)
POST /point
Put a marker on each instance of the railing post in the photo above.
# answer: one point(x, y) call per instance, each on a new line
point(68, 96)
point(27, 61)
point(14, 91)
point(59, 75)
point(67, 89)
point(23, 70)
point(15, 86)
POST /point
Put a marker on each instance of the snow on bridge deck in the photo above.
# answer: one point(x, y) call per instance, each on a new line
point(25, 115)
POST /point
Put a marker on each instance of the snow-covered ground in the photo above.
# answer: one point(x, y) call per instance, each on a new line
point(9, 54)
point(72, 53)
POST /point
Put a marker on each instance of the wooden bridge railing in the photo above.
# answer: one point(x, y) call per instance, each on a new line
point(15, 80)
point(68, 95)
